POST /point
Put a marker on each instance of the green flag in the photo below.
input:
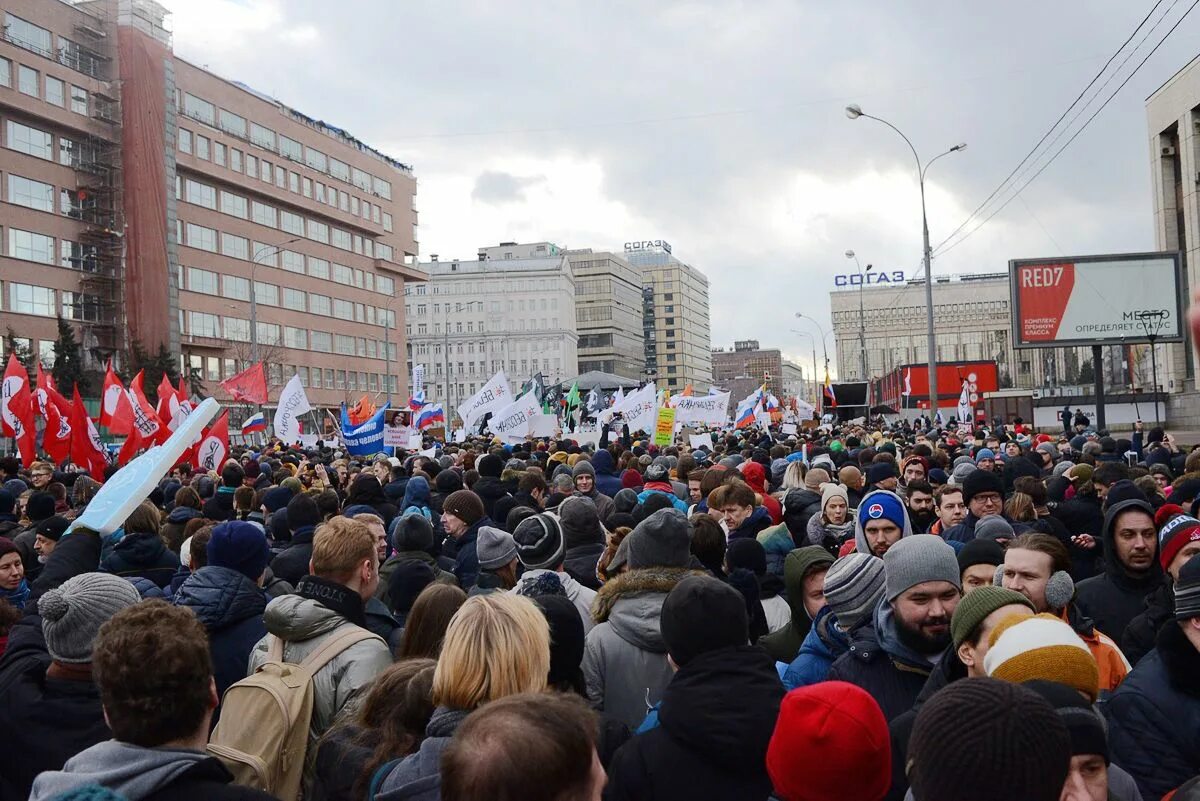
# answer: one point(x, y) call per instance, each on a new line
point(573, 396)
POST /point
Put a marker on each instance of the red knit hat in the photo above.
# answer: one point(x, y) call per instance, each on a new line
point(1174, 534)
point(831, 742)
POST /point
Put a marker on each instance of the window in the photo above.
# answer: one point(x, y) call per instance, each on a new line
point(30, 141)
point(293, 262)
point(293, 182)
point(290, 148)
point(361, 179)
point(232, 123)
point(281, 178)
point(27, 35)
point(263, 137)
point(202, 238)
point(202, 147)
point(199, 109)
point(200, 194)
point(55, 91)
point(318, 231)
point(343, 274)
point(306, 187)
point(343, 309)
point(78, 58)
point(295, 337)
point(236, 246)
point(316, 377)
point(344, 344)
point(185, 140)
point(5, 72)
point(203, 281)
point(383, 251)
point(218, 154)
point(316, 159)
point(320, 341)
point(235, 287)
point(387, 222)
point(266, 171)
point(385, 285)
point(75, 256)
point(266, 294)
point(236, 329)
point(292, 223)
point(81, 307)
point(235, 159)
point(269, 333)
point(251, 166)
point(264, 214)
point(320, 192)
point(319, 304)
point(339, 169)
point(382, 188)
point(318, 268)
point(30, 194)
point(265, 254)
point(30, 246)
point(27, 299)
point(341, 239)
point(234, 205)
point(294, 299)
point(79, 99)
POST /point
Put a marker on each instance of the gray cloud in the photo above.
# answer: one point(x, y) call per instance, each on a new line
point(495, 187)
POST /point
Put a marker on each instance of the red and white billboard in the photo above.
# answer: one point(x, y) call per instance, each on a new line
point(1096, 300)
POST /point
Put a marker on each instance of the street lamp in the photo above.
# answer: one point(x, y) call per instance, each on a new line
point(854, 111)
point(862, 320)
point(813, 340)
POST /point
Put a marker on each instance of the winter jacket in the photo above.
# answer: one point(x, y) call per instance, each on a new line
point(220, 506)
point(381, 622)
point(1118, 595)
point(860, 535)
point(581, 596)
point(783, 645)
point(490, 489)
point(758, 521)
point(579, 562)
point(292, 564)
point(339, 763)
point(778, 543)
point(1083, 514)
point(964, 531)
point(755, 476)
point(418, 777)
point(664, 489)
point(827, 535)
point(715, 721)
point(607, 480)
point(1142, 631)
point(49, 717)
point(77, 552)
point(824, 644)
point(604, 504)
point(367, 491)
point(142, 554)
point(466, 560)
point(389, 567)
point(172, 530)
point(1114, 667)
point(144, 774)
point(1154, 716)
point(878, 662)
point(304, 625)
point(799, 507)
point(625, 658)
point(231, 608)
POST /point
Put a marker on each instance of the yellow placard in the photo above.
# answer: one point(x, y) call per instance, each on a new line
point(664, 427)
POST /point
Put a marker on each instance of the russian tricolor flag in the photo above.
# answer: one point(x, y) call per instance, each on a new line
point(745, 417)
point(257, 422)
point(430, 415)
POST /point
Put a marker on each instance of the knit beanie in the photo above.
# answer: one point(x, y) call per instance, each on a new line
point(489, 465)
point(276, 498)
point(703, 614)
point(406, 582)
point(52, 528)
point(830, 743)
point(880, 471)
point(39, 506)
point(495, 547)
point(1088, 732)
point(412, 532)
point(1082, 475)
point(994, 528)
point(960, 472)
point(1041, 647)
point(539, 541)
point(984, 453)
point(882, 505)
point(1174, 534)
point(980, 552)
point(580, 522)
point(583, 468)
point(465, 505)
point(567, 639)
point(915, 560)
point(975, 606)
point(853, 588)
point(1187, 591)
point(1061, 468)
point(73, 612)
point(239, 546)
point(661, 540)
point(831, 491)
point(988, 740)
point(979, 481)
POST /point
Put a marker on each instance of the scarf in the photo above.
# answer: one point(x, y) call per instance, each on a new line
point(335, 597)
point(18, 596)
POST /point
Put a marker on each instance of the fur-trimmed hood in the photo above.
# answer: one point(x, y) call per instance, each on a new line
point(645, 581)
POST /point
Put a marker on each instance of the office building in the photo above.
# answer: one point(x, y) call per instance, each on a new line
point(162, 196)
point(608, 313)
point(748, 360)
point(513, 307)
point(794, 385)
point(675, 318)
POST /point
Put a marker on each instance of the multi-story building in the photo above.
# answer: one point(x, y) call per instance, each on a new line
point(793, 381)
point(608, 313)
point(513, 308)
point(675, 317)
point(748, 360)
point(180, 197)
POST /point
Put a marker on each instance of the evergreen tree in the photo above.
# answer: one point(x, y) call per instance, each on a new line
point(153, 366)
point(1087, 374)
point(13, 344)
point(68, 361)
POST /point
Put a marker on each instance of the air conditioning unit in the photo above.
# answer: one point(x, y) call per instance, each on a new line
point(1168, 150)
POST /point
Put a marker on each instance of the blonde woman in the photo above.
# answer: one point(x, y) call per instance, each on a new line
point(496, 646)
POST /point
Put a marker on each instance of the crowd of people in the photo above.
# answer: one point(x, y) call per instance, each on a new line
point(857, 611)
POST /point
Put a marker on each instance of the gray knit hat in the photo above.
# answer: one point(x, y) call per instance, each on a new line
point(539, 542)
point(960, 473)
point(73, 613)
point(494, 547)
point(1062, 467)
point(994, 527)
point(853, 586)
point(661, 540)
point(923, 558)
point(583, 468)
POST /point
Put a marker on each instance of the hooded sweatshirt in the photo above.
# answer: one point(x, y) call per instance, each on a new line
point(129, 770)
point(607, 480)
point(755, 476)
point(1118, 595)
point(860, 536)
point(783, 645)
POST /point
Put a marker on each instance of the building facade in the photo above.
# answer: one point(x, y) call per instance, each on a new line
point(179, 196)
point(608, 313)
point(513, 307)
point(675, 318)
point(748, 360)
point(794, 385)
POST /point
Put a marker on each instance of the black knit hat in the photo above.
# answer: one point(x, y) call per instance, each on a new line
point(981, 481)
point(1187, 591)
point(988, 740)
point(1083, 722)
point(490, 465)
point(703, 614)
point(412, 532)
point(980, 552)
point(566, 641)
point(39, 506)
point(539, 542)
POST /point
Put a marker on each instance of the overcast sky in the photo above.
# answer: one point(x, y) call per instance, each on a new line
point(719, 126)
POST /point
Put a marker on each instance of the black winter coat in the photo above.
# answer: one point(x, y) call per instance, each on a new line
point(292, 563)
point(231, 608)
point(580, 564)
point(948, 669)
point(1083, 515)
point(879, 664)
point(490, 489)
point(142, 555)
point(715, 721)
point(339, 763)
point(1143, 630)
point(207, 780)
point(1154, 716)
point(1116, 596)
point(76, 553)
point(220, 506)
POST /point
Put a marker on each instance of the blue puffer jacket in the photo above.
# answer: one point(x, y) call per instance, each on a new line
point(678, 504)
point(231, 607)
point(607, 480)
point(824, 643)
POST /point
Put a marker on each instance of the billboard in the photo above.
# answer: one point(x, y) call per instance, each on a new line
point(907, 386)
point(1096, 300)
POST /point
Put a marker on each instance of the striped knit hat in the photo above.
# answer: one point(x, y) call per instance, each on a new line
point(854, 586)
point(1041, 647)
point(1187, 591)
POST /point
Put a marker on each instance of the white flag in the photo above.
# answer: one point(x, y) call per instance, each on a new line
point(639, 409)
point(494, 396)
point(292, 403)
point(512, 423)
point(418, 386)
point(966, 415)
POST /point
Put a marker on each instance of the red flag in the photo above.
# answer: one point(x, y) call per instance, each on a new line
point(133, 444)
point(87, 450)
point(116, 412)
point(248, 385)
point(16, 409)
point(214, 446)
point(361, 412)
point(48, 393)
point(145, 421)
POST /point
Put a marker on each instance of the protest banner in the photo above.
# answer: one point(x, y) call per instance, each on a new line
point(664, 427)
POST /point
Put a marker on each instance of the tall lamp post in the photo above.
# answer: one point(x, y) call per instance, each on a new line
point(813, 340)
point(854, 111)
point(824, 348)
point(862, 319)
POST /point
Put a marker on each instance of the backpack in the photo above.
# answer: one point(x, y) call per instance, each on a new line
point(262, 736)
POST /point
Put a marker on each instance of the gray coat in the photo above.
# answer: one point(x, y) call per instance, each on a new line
point(304, 624)
point(625, 658)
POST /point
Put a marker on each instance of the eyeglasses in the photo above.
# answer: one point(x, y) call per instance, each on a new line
point(989, 498)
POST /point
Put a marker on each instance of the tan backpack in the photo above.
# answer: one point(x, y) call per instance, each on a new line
point(262, 735)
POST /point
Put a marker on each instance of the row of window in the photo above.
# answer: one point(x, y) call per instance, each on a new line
point(491, 286)
point(39, 40)
point(236, 329)
point(215, 368)
point(261, 136)
point(496, 346)
point(32, 83)
point(495, 306)
point(535, 324)
point(201, 194)
point(43, 302)
point(40, 196)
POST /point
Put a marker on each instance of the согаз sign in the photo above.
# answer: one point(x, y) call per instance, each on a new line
point(858, 279)
point(648, 244)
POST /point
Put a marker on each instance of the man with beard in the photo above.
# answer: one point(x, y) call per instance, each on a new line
point(881, 522)
point(912, 629)
point(919, 499)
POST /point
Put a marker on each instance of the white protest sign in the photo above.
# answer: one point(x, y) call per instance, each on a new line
point(460, 435)
point(494, 395)
point(308, 440)
point(415, 442)
point(512, 422)
point(583, 438)
point(396, 436)
point(544, 425)
point(709, 409)
point(431, 453)
point(789, 429)
point(698, 441)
